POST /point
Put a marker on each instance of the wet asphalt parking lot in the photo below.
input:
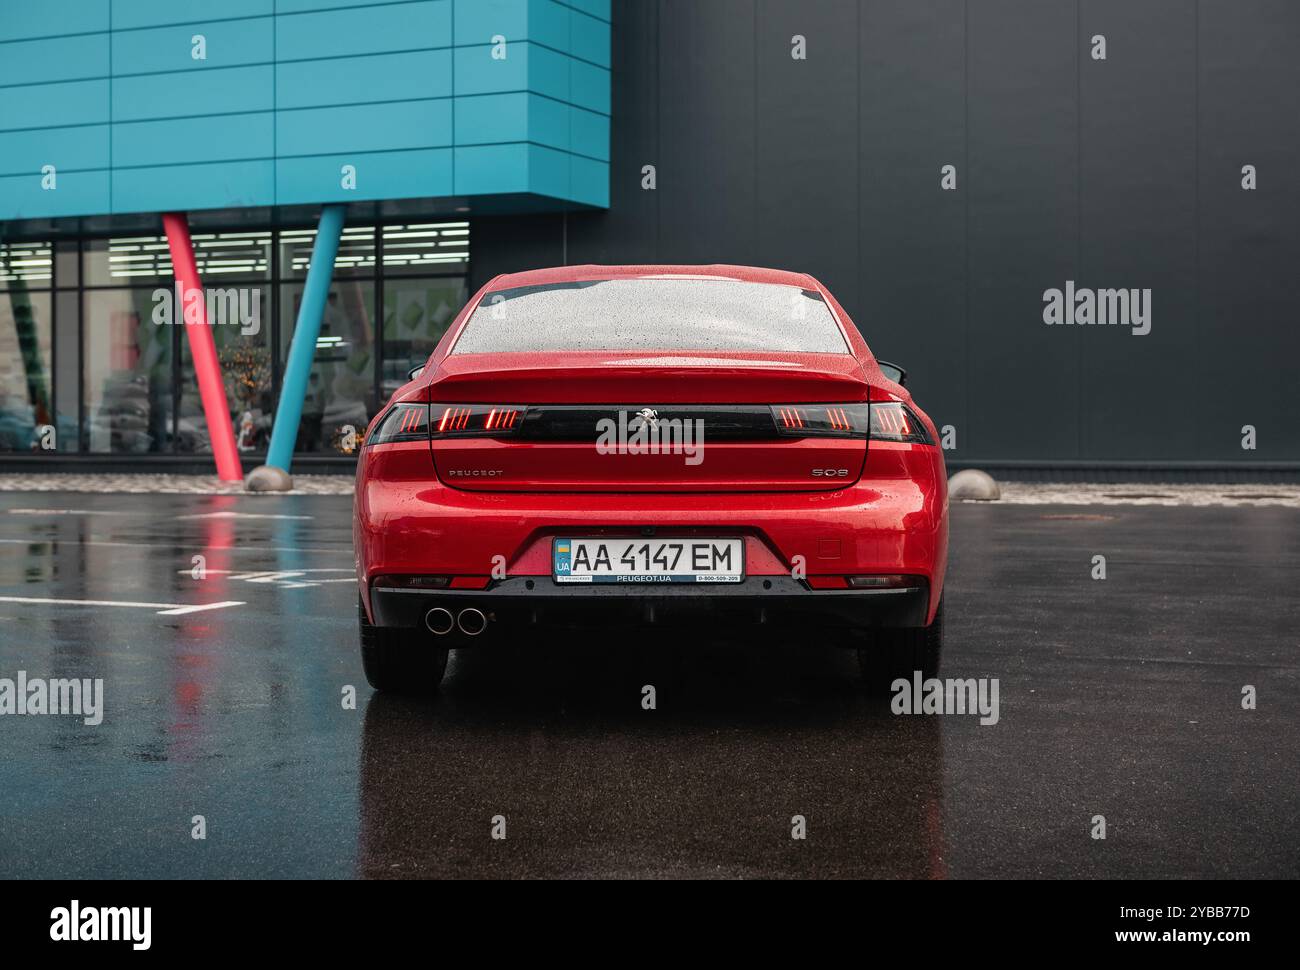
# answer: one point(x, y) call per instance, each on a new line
point(1118, 697)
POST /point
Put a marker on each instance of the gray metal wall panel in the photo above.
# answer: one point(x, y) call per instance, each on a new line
point(629, 231)
point(1023, 183)
point(1249, 85)
point(1137, 205)
point(708, 131)
point(1125, 172)
point(802, 168)
point(913, 251)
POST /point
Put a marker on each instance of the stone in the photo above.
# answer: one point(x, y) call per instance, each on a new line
point(268, 478)
point(971, 484)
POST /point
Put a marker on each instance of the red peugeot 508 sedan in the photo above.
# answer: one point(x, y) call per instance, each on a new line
point(650, 445)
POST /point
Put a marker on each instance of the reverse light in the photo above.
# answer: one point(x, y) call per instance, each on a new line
point(413, 582)
point(403, 422)
point(484, 420)
point(894, 421)
point(821, 420)
point(888, 581)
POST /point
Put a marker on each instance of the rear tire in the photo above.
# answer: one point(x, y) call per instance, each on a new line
point(400, 661)
point(893, 653)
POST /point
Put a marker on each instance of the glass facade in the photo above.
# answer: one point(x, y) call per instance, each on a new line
point(91, 360)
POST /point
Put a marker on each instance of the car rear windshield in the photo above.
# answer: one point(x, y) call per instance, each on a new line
point(653, 313)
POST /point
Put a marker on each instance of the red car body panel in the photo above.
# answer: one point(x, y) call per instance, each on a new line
point(887, 516)
point(678, 377)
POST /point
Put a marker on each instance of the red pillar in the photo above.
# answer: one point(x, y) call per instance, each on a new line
point(203, 350)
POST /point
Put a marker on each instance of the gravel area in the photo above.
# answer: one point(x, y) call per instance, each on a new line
point(1137, 493)
point(1013, 493)
point(165, 484)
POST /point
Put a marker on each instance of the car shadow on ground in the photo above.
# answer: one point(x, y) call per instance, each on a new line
point(692, 672)
point(550, 742)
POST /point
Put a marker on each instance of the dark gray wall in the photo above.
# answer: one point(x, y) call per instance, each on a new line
point(1117, 173)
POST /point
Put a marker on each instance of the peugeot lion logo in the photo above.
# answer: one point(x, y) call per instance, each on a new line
point(649, 417)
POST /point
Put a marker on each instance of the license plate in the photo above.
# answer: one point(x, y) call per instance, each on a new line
point(648, 560)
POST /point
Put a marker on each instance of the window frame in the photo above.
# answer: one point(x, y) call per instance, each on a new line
point(77, 248)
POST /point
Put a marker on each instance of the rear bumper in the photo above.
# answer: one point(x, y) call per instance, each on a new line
point(771, 601)
point(892, 521)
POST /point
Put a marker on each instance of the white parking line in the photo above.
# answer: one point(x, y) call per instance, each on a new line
point(69, 512)
point(283, 578)
point(164, 609)
point(45, 540)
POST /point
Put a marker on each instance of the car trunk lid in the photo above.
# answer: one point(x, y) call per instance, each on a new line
point(641, 422)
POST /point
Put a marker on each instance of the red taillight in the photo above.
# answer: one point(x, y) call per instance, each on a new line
point(403, 422)
point(887, 421)
point(461, 420)
point(821, 420)
point(839, 419)
point(501, 419)
point(790, 418)
point(894, 421)
point(412, 418)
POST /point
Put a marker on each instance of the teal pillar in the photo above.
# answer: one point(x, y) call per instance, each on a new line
point(297, 369)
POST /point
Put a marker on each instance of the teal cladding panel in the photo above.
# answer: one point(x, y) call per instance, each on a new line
point(151, 105)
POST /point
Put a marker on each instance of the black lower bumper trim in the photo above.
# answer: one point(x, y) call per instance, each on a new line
point(766, 600)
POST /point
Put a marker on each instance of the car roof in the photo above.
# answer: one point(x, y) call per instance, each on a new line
point(591, 271)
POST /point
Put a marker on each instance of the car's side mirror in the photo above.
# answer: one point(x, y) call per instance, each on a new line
point(893, 372)
point(414, 372)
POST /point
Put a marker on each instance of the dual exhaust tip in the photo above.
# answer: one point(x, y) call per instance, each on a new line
point(470, 621)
